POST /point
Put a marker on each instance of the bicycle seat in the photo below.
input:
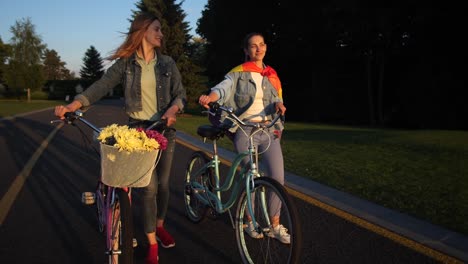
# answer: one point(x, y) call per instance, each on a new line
point(210, 132)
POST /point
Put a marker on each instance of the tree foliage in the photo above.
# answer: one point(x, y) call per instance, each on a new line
point(5, 53)
point(24, 70)
point(54, 67)
point(93, 67)
point(389, 67)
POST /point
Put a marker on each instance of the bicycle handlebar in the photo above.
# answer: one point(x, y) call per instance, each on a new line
point(158, 125)
point(214, 107)
point(71, 117)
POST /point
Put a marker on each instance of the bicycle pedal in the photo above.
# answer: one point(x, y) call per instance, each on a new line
point(189, 190)
point(198, 190)
point(213, 214)
point(88, 198)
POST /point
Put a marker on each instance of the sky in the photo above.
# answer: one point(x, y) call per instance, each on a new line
point(70, 27)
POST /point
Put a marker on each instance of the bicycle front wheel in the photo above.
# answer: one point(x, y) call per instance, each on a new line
point(100, 201)
point(258, 241)
point(196, 174)
point(120, 230)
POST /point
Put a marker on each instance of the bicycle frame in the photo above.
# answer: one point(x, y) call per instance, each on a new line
point(266, 220)
point(246, 178)
point(228, 183)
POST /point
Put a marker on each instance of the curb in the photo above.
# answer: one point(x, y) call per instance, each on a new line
point(404, 228)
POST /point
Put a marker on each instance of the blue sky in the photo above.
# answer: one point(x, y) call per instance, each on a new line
point(71, 27)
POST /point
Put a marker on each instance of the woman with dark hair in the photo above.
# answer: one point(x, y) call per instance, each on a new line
point(253, 90)
point(153, 90)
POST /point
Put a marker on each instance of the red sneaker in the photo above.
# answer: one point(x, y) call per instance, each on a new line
point(152, 257)
point(167, 241)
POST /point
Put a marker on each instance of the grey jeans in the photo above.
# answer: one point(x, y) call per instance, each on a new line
point(155, 196)
point(271, 159)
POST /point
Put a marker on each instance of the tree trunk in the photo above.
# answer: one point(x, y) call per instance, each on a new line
point(380, 91)
point(370, 94)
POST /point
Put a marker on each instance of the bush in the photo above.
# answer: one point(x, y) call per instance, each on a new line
point(39, 95)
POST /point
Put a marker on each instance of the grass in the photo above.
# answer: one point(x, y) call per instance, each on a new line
point(14, 107)
point(418, 172)
point(422, 173)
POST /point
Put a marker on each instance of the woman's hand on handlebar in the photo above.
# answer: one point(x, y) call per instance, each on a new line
point(171, 115)
point(60, 110)
point(280, 108)
point(204, 100)
point(170, 119)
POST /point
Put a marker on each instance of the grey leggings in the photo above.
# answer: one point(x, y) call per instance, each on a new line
point(272, 159)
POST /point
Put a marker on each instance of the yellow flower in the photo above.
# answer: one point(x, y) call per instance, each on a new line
point(127, 139)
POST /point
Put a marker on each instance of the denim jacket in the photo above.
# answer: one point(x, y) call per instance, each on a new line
point(237, 91)
point(127, 71)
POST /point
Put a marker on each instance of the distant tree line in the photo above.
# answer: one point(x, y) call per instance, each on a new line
point(26, 63)
point(338, 62)
point(341, 63)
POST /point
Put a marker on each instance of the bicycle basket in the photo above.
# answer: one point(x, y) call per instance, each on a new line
point(126, 169)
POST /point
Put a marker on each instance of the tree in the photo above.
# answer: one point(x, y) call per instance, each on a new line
point(54, 67)
point(93, 68)
point(24, 70)
point(377, 37)
point(196, 53)
point(5, 53)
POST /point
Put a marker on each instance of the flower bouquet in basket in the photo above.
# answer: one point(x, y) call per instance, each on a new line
point(128, 155)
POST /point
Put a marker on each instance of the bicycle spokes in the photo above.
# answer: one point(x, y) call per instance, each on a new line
point(269, 232)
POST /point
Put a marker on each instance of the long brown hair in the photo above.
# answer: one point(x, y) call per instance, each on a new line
point(134, 36)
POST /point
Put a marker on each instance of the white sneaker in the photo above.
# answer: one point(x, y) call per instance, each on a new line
point(252, 231)
point(281, 233)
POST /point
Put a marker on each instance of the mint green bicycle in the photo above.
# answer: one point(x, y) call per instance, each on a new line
point(255, 195)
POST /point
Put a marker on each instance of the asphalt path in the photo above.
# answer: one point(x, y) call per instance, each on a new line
point(44, 169)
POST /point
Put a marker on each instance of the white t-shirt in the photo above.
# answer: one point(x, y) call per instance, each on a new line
point(256, 111)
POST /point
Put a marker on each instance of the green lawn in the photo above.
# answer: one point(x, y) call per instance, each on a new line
point(419, 172)
point(14, 107)
point(423, 173)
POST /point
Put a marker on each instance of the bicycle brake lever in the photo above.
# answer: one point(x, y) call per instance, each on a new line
point(208, 112)
point(56, 121)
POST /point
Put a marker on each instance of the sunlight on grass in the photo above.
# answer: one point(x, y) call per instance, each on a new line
point(422, 173)
point(10, 107)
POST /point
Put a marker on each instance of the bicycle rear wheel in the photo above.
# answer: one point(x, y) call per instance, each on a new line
point(120, 230)
point(265, 195)
point(196, 175)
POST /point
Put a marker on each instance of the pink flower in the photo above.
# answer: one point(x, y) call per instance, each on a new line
point(162, 140)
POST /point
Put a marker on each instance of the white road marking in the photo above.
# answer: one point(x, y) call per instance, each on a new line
point(10, 196)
